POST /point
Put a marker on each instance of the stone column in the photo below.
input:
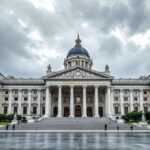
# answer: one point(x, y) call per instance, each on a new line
point(111, 102)
point(121, 102)
point(29, 101)
point(84, 102)
point(141, 99)
point(47, 102)
point(59, 101)
point(10, 102)
point(39, 103)
point(20, 101)
point(96, 102)
point(71, 101)
point(108, 101)
point(131, 100)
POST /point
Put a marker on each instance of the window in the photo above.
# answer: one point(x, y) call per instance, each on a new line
point(15, 98)
point(5, 109)
point(125, 110)
point(145, 98)
point(78, 100)
point(43, 110)
point(34, 91)
point(43, 92)
point(16, 91)
point(116, 91)
point(135, 91)
point(34, 98)
point(125, 91)
point(135, 98)
point(116, 110)
point(6, 91)
point(6, 99)
point(25, 110)
point(43, 98)
point(34, 110)
point(25, 98)
point(125, 98)
point(135, 108)
point(145, 109)
point(15, 110)
point(145, 91)
point(25, 91)
point(115, 98)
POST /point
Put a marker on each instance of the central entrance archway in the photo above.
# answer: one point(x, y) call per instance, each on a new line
point(78, 111)
point(89, 111)
point(66, 112)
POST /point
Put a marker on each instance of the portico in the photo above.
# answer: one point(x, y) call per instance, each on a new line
point(82, 100)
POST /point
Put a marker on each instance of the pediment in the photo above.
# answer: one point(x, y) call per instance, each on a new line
point(78, 73)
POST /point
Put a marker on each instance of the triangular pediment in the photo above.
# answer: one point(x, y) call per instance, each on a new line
point(78, 73)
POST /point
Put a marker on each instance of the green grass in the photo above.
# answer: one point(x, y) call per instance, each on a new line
point(4, 123)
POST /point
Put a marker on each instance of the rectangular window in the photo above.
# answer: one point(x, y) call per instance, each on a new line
point(145, 109)
point(125, 98)
point(115, 98)
point(145, 98)
point(16, 91)
point(116, 91)
point(135, 98)
point(25, 110)
point(34, 98)
point(125, 110)
point(6, 98)
point(15, 98)
point(43, 110)
point(145, 91)
point(116, 110)
point(25, 91)
point(43, 98)
point(6, 91)
point(15, 110)
point(5, 109)
point(43, 92)
point(125, 91)
point(34, 91)
point(25, 98)
point(135, 108)
point(34, 110)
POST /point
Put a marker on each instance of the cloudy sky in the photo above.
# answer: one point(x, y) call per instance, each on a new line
point(35, 33)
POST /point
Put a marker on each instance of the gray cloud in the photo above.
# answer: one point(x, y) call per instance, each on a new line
point(23, 56)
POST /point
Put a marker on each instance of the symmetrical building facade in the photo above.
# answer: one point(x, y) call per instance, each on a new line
point(75, 91)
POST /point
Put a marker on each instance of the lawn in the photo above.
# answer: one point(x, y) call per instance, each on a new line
point(4, 123)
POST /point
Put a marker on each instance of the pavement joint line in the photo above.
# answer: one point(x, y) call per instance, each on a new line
point(78, 131)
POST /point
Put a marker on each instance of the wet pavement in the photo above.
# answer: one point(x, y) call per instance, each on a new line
point(73, 141)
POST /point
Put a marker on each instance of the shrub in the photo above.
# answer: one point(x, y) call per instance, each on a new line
point(147, 116)
point(2, 117)
point(125, 118)
point(10, 117)
point(133, 116)
point(19, 117)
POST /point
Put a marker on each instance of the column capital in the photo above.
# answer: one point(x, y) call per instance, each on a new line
point(96, 86)
point(59, 86)
point(109, 86)
point(72, 86)
point(84, 86)
point(141, 90)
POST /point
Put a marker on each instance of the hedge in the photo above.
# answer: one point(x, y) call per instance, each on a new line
point(9, 117)
point(132, 116)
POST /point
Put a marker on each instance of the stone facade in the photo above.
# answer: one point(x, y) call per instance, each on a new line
point(75, 91)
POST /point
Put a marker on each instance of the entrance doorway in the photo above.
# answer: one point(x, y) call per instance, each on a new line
point(100, 111)
point(78, 111)
point(55, 111)
point(66, 112)
point(89, 111)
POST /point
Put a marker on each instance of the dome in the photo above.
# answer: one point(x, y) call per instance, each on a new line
point(78, 49)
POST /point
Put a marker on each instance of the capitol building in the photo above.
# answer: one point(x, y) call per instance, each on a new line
point(75, 91)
